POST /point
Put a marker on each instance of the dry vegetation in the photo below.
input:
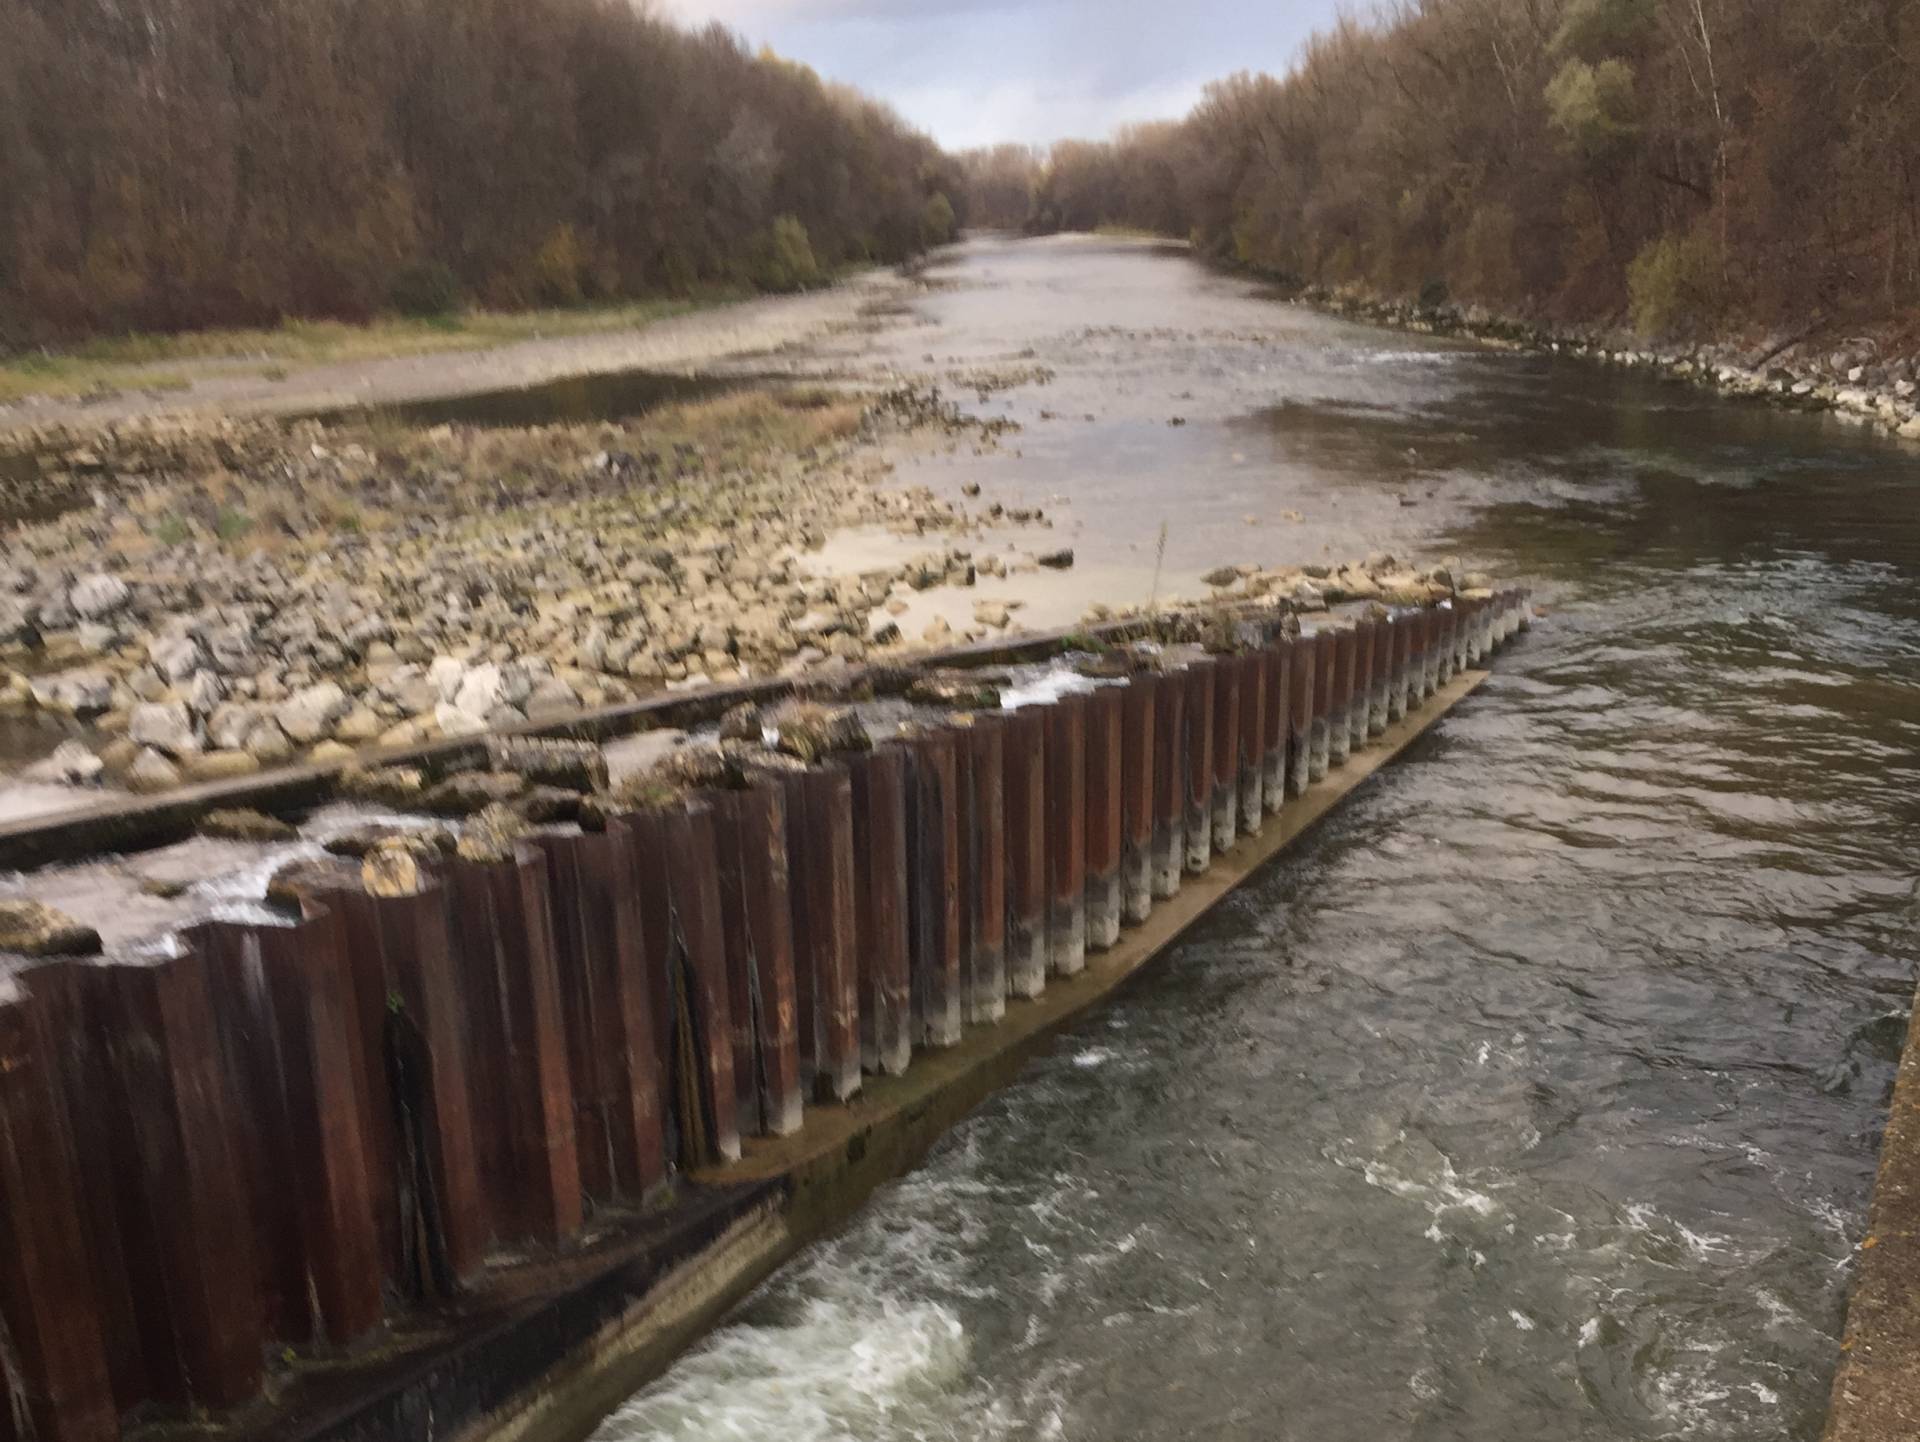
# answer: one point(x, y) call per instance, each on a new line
point(1693, 166)
point(177, 164)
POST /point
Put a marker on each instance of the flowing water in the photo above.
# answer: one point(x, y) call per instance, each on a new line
point(1536, 1095)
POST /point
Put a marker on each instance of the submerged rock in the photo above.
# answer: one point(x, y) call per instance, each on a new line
point(573, 765)
point(810, 732)
point(243, 825)
point(471, 792)
point(31, 928)
point(311, 876)
point(363, 839)
point(392, 869)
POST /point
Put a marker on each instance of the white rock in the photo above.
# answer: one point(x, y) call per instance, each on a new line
point(453, 721)
point(71, 764)
point(152, 772)
point(175, 658)
point(98, 595)
point(447, 673)
point(77, 693)
point(480, 690)
point(164, 726)
point(308, 715)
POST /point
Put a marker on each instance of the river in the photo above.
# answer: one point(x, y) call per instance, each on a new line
point(1536, 1096)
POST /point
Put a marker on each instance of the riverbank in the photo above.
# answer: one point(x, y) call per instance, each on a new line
point(1876, 1393)
point(1855, 378)
point(314, 368)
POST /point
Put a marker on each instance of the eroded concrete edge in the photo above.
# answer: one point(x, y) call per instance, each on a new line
point(1876, 1393)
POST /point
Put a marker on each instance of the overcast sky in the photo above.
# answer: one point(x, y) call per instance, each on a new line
point(977, 71)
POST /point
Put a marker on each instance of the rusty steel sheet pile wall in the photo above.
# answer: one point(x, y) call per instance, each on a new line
point(275, 1143)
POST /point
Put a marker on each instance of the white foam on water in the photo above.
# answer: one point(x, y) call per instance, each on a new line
point(863, 1337)
point(1045, 688)
point(844, 1346)
point(1094, 1056)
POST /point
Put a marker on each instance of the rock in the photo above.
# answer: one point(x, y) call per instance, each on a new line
point(151, 772)
point(992, 613)
point(392, 869)
point(310, 876)
point(205, 692)
point(1059, 560)
point(166, 726)
point(71, 764)
point(433, 841)
point(481, 689)
point(175, 658)
point(490, 836)
point(1222, 576)
point(398, 786)
point(31, 928)
point(937, 632)
point(244, 825)
point(745, 722)
point(447, 674)
point(81, 693)
point(471, 792)
point(810, 732)
point(359, 726)
point(549, 805)
point(268, 744)
point(220, 766)
point(330, 753)
point(962, 690)
point(574, 765)
point(98, 595)
point(454, 722)
point(309, 715)
point(551, 697)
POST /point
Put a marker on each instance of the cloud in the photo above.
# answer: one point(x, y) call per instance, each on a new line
point(975, 71)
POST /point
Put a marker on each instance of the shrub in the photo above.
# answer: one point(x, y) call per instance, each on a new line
point(1674, 285)
point(1592, 106)
point(557, 267)
point(426, 288)
point(936, 222)
point(786, 258)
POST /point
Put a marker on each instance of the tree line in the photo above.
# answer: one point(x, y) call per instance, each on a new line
point(1686, 165)
point(167, 164)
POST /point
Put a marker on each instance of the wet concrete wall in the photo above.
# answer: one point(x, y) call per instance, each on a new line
point(285, 1150)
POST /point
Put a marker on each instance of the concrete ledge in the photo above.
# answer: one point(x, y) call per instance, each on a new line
point(551, 1346)
point(1876, 1393)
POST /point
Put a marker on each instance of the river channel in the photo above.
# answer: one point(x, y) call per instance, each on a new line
point(1536, 1096)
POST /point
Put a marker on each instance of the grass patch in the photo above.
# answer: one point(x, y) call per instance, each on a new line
point(131, 362)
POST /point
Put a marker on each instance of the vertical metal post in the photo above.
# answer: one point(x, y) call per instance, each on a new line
point(1066, 835)
point(1340, 710)
point(1138, 705)
point(1361, 709)
point(1105, 742)
point(1321, 757)
point(1198, 831)
point(1225, 805)
point(1276, 723)
point(704, 1038)
point(983, 849)
point(933, 862)
point(1025, 762)
point(1253, 740)
point(880, 881)
point(47, 1299)
point(1169, 784)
